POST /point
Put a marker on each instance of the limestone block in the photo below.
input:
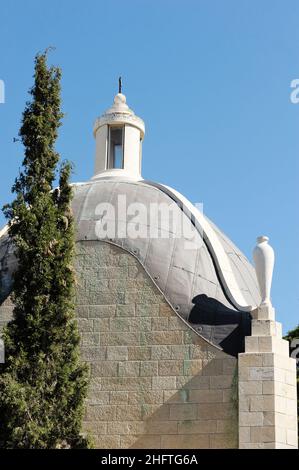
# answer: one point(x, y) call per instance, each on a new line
point(285, 390)
point(104, 369)
point(117, 353)
point(129, 369)
point(181, 352)
point(176, 323)
point(269, 418)
point(244, 434)
point(149, 368)
point(183, 412)
point(266, 328)
point(90, 339)
point(247, 418)
point(98, 427)
point(223, 441)
point(155, 412)
point(128, 413)
point(97, 397)
point(160, 324)
point(144, 397)
point(128, 324)
point(251, 344)
point(244, 403)
point(214, 411)
point(280, 435)
point(177, 396)
point(173, 367)
point(262, 434)
point(225, 426)
point(197, 427)
point(163, 337)
point(274, 344)
point(291, 406)
point(292, 437)
point(192, 367)
point(100, 413)
point(229, 365)
point(290, 377)
point(268, 387)
point(93, 353)
point(165, 310)
point(161, 427)
point(280, 404)
point(164, 382)
point(286, 363)
point(118, 398)
point(253, 359)
point(127, 310)
point(262, 403)
point(189, 383)
point(260, 373)
point(227, 395)
point(267, 344)
point(265, 312)
point(206, 396)
point(125, 427)
point(221, 381)
point(82, 311)
point(252, 387)
point(100, 311)
point(139, 353)
point(101, 324)
point(286, 421)
point(161, 352)
point(196, 351)
point(120, 338)
point(126, 383)
point(214, 367)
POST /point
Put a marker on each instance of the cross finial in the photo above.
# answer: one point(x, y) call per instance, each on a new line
point(119, 85)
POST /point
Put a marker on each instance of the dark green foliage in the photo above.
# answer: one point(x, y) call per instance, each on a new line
point(42, 383)
point(294, 334)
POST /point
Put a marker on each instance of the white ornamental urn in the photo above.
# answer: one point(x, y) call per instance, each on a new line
point(263, 257)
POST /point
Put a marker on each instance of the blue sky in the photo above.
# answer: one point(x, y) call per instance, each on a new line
point(211, 79)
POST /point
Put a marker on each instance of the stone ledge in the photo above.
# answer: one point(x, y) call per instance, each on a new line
point(267, 344)
point(266, 328)
point(264, 312)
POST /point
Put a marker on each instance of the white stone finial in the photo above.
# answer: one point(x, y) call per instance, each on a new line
point(120, 98)
point(120, 104)
point(263, 257)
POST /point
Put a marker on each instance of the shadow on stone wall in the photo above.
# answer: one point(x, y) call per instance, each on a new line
point(219, 324)
point(200, 415)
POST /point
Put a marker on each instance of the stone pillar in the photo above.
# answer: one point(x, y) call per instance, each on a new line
point(267, 387)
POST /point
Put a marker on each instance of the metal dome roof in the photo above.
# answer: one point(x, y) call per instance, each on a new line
point(211, 285)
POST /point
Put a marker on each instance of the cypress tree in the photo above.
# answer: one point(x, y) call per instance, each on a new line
point(42, 383)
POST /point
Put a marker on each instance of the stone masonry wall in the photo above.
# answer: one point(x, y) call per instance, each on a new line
point(154, 382)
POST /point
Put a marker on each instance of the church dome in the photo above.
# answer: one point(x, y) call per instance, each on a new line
point(202, 275)
point(208, 282)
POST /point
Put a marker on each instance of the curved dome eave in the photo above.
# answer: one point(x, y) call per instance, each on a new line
point(188, 279)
